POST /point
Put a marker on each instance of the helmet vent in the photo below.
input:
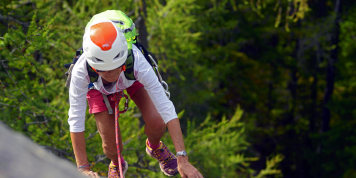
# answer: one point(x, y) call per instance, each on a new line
point(118, 21)
point(99, 60)
point(118, 56)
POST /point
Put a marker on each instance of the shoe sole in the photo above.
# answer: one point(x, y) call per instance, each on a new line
point(126, 168)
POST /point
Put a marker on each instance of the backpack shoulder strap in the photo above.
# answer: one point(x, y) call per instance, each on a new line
point(92, 74)
point(145, 52)
point(70, 66)
point(130, 61)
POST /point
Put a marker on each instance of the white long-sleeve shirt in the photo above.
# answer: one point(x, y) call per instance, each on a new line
point(143, 73)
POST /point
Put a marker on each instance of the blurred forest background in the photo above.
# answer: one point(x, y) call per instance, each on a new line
point(263, 87)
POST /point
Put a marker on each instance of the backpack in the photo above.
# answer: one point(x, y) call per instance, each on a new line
point(125, 23)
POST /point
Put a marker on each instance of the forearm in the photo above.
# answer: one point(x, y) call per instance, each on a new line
point(79, 148)
point(175, 132)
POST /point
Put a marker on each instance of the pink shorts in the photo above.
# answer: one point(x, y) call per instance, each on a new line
point(96, 101)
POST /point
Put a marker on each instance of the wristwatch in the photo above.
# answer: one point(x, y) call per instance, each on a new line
point(181, 153)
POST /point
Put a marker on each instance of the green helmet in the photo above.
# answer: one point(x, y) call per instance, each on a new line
point(121, 20)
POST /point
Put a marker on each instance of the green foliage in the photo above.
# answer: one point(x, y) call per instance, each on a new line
point(221, 145)
point(348, 47)
point(285, 12)
point(170, 27)
point(271, 167)
point(219, 149)
point(272, 58)
point(339, 143)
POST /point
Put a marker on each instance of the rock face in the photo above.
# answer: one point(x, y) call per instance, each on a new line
point(20, 157)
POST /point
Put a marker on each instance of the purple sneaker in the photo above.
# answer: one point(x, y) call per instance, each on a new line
point(167, 160)
point(114, 171)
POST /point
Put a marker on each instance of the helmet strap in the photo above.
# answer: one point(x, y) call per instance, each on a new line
point(94, 69)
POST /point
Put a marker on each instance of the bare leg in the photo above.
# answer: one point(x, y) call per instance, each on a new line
point(154, 125)
point(105, 123)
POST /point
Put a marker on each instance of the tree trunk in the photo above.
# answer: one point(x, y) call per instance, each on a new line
point(143, 34)
point(293, 83)
point(141, 25)
point(314, 91)
point(330, 75)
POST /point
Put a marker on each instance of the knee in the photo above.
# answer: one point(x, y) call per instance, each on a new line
point(160, 125)
point(110, 151)
point(108, 143)
point(156, 123)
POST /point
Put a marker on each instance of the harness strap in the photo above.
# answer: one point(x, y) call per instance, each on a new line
point(107, 103)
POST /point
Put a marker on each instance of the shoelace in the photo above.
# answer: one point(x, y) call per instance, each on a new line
point(116, 168)
point(166, 161)
point(160, 157)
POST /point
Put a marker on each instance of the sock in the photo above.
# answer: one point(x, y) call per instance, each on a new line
point(153, 147)
point(122, 161)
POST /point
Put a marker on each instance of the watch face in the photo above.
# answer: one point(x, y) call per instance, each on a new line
point(181, 153)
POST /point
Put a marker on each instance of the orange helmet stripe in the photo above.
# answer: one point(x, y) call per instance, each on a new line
point(103, 35)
